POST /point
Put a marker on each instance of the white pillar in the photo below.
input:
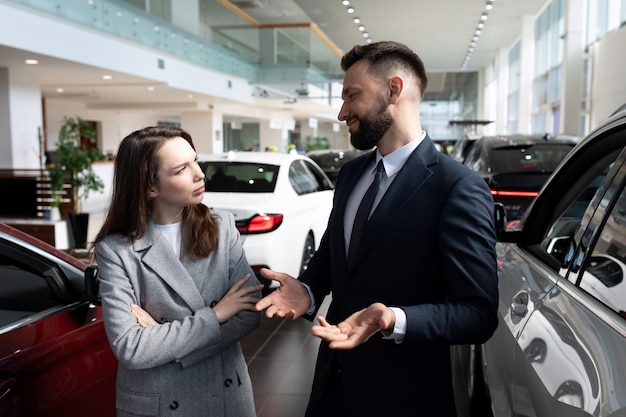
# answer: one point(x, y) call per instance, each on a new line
point(205, 127)
point(21, 119)
point(527, 64)
point(572, 69)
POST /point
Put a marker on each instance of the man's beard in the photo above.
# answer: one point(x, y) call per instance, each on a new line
point(372, 127)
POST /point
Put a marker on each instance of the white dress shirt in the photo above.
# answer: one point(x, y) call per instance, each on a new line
point(393, 163)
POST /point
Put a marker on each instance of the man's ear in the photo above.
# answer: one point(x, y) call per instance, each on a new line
point(395, 88)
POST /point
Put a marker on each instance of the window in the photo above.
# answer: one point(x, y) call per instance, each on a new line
point(603, 275)
point(24, 289)
point(239, 177)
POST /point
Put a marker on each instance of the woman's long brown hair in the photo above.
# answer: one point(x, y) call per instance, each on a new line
point(136, 170)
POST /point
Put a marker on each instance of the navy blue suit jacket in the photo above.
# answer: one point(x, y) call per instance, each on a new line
point(429, 248)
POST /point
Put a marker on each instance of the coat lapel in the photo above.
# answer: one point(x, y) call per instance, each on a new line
point(408, 181)
point(160, 258)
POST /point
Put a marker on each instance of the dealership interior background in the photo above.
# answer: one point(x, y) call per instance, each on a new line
point(252, 75)
point(264, 74)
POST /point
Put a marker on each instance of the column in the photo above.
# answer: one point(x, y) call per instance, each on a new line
point(205, 127)
point(21, 119)
point(572, 68)
point(527, 50)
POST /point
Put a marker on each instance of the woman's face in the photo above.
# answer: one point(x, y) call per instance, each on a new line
point(181, 181)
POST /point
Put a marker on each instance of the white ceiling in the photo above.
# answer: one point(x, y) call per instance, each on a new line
point(440, 31)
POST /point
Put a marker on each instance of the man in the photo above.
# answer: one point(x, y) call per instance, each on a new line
point(423, 272)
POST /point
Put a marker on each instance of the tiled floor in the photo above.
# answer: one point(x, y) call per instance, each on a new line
point(281, 358)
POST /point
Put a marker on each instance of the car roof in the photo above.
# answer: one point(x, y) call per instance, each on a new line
point(41, 245)
point(272, 158)
point(518, 139)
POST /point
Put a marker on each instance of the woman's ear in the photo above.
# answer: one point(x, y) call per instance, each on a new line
point(152, 192)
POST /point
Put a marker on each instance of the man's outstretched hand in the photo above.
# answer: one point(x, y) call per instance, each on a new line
point(357, 328)
point(289, 301)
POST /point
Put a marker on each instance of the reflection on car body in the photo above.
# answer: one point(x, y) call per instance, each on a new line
point(560, 347)
point(281, 203)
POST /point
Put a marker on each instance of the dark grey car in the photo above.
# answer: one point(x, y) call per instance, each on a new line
point(560, 347)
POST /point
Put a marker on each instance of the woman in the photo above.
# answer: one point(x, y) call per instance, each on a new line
point(177, 291)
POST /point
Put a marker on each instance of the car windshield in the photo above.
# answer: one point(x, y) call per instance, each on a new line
point(246, 177)
point(529, 158)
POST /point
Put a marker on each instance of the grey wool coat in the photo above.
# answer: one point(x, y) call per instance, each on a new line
point(189, 365)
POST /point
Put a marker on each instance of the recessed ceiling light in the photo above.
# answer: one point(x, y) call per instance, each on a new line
point(357, 20)
point(350, 9)
point(31, 62)
point(107, 77)
point(151, 88)
point(60, 90)
point(345, 2)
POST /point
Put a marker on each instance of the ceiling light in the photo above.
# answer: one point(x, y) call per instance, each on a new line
point(151, 88)
point(107, 77)
point(361, 28)
point(350, 9)
point(483, 16)
point(356, 20)
point(60, 90)
point(478, 32)
point(481, 25)
point(345, 2)
point(366, 35)
point(489, 5)
point(31, 62)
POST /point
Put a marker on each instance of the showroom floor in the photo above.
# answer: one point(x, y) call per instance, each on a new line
point(281, 358)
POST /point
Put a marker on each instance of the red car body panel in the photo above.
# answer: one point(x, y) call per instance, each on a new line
point(58, 362)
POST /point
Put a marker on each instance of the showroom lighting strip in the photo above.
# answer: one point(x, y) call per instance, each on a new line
point(350, 10)
point(477, 32)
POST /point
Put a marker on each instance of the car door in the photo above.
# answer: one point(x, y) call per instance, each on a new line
point(546, 358)
point(54, 356)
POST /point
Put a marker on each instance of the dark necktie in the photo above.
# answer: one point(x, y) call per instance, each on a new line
point(363, 212)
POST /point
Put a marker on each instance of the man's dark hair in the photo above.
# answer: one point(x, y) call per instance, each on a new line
point(385, 56)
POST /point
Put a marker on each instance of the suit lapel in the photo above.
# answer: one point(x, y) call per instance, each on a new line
point(160, 258)
point(408, 181)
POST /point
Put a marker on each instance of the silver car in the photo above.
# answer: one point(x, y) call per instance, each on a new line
point(560, 347)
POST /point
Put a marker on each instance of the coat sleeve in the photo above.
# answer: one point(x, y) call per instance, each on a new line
point(243, 323)
point(467, 244)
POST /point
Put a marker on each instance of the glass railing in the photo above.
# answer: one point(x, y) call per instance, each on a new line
point(222, 39)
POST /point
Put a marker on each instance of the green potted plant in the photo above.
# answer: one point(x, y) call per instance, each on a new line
point(74, 165)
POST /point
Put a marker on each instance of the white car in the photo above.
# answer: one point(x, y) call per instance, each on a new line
point(281, 203)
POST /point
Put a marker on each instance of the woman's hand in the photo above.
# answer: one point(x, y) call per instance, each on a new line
point(236, 299)
point(143, 318)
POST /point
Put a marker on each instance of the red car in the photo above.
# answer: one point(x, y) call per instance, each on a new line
point(55, 359)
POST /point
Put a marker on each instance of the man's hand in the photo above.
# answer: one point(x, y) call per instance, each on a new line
point(237, 299)
point(357, 328)
point(289, 301)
